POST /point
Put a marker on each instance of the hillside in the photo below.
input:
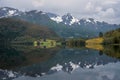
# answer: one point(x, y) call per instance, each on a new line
point(17, 29)
point(112, 37)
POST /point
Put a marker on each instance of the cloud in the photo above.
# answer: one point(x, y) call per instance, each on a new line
point(98, 9)
point(38, 3)
point(89, 6)
point(109, 13)
point(109, 2)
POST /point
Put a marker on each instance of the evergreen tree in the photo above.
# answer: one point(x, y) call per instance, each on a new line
point(100, 34)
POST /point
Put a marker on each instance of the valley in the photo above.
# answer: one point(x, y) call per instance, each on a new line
point(59, 40)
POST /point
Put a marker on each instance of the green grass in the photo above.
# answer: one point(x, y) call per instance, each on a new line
point(47, 43)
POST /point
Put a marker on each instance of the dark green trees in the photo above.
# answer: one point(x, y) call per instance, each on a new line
point(112, 37)
point(100, 34)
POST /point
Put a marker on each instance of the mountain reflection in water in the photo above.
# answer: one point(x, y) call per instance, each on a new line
point(30, 61)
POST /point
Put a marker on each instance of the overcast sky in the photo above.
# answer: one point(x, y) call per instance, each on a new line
point(104, 10)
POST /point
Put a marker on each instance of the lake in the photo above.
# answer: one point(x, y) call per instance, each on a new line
point(60, 63)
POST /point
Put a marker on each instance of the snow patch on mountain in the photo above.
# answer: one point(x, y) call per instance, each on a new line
point(8, 12)
point(11, 12)
point(58, 19)
point(74, 20)
point(4, 9)
point(87, 20)
point(68, 19)
point(38, 11)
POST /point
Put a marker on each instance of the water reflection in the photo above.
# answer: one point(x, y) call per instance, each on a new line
point(34, 61)
point(10, 58)
point(110, 50)
point(104, 72)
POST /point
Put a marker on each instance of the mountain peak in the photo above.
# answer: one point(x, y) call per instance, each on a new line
point(6, 12)
point(35, 12)
point(7, 8)
point(52, 14)
point(68, 14)
point(88, 20)
point(68, 19)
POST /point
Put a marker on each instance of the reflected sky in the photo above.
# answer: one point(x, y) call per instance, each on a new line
point(107, 72)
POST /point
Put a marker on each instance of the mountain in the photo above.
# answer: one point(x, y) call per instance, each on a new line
point(7, 12)
point(67, 19)
point(12, 29)
point(55, 17)
point(65, 26)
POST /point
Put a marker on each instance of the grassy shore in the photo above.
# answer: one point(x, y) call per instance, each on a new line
point(98, 40)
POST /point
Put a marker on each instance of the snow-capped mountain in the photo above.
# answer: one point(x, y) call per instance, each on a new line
point(89, 20)
point(7, 12)
point(67, 19)
point(65, 26)
point(58, 19)
point(55, 17)
point(10, 12)
point(34, 12)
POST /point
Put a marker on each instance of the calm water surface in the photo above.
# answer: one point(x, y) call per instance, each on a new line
point(33, 63)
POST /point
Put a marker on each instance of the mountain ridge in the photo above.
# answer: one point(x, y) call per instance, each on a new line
point(65, 26)
point(51, 15)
